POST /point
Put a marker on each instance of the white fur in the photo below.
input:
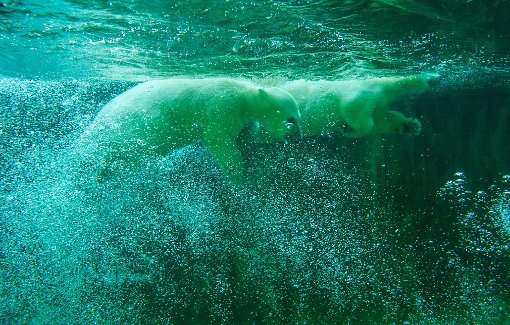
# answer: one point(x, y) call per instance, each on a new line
point(158, 116)
point(356, 108)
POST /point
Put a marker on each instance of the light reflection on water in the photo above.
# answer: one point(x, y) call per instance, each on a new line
point(138, 40)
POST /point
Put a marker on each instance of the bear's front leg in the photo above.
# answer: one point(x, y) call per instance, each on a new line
point(227, 154)
point(394, 88)
point(393, 122)
point(358, 119)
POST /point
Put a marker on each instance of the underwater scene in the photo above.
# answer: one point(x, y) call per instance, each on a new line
point(408, 223)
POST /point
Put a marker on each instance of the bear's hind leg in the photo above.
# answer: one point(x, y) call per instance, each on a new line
point(115, 161)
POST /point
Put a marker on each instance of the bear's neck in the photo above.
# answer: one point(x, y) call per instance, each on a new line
point(252, 107)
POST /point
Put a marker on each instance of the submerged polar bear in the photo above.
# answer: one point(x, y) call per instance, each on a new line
point(356, 108)
point(158, 116)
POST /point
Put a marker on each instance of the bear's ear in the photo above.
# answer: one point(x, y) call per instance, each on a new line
point(263, 94)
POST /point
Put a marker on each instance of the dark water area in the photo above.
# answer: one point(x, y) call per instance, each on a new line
point(328, 230)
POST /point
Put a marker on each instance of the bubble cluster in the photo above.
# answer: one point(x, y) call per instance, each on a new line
point(305, 241)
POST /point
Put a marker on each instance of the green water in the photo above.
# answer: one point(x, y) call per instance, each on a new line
point(328, 230)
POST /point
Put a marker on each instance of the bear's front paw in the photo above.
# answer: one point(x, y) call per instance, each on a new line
point(412, 126)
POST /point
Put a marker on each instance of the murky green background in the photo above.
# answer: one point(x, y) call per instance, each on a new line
point(329, 230)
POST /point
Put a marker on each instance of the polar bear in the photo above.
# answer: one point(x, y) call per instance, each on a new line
point(158, 116)
point(356, 108)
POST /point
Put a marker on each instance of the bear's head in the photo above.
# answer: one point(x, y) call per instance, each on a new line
point(277, 111)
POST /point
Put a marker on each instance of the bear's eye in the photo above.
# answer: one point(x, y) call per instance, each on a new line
point(291, 120)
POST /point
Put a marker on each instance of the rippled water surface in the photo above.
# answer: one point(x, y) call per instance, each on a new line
point(314, 39)
point(327, 230)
